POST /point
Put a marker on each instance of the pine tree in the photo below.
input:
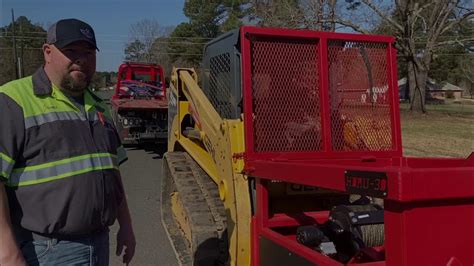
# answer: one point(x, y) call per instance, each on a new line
point(29, 40)
point(207, 19)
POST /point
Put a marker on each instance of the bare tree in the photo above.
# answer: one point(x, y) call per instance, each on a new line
point(314, 13)
point(333, 15)
point(146, 31)
point(467, 69)
point(326, 15)
point(418, 27)
point(160, 55)
point(279, 13)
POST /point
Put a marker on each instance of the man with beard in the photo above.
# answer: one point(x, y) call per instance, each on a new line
point(60, 185)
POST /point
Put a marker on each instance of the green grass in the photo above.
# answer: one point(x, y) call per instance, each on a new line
point(445, 131)
point(452, 109)
point(464, 109)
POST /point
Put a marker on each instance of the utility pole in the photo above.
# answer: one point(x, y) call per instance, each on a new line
point(21, 64)
point(15, 56)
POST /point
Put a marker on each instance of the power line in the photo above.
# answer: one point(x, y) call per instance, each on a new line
point(196, 54)
point(162, 40)
point(110, 52)
point(171, 42)
point(112, 40)
point(115, 35)
point(206, 38)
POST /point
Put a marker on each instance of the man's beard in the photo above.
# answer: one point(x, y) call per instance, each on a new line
point(72, 85)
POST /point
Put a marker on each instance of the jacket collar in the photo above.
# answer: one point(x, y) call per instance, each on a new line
point(41, 83)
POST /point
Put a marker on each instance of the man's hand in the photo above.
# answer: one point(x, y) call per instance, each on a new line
point(126, 238)
point(125, 235)
point(13, 259)
point(10, 254)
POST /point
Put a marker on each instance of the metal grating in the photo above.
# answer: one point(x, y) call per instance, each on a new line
point(285, 90)
point(220, 84)
point(359, 96)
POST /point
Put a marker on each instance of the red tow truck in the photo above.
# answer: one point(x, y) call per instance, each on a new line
point(139, 104)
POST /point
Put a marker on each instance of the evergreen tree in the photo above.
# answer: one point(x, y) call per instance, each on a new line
point(207, 19)
point(29, 40)
point(450, 61)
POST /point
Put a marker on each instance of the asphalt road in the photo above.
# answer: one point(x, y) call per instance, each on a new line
point(141, 176)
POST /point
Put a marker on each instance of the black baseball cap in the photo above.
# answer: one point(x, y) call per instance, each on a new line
point(67, 31)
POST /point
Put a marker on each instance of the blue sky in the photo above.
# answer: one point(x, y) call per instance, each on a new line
point(111, 19)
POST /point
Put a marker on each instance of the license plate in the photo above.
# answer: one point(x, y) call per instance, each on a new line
point(367, 183)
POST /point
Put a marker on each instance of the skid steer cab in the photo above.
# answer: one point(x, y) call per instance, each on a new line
point(288, 151)
point(139, 104)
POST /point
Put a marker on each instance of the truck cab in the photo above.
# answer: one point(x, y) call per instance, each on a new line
point(139, 103)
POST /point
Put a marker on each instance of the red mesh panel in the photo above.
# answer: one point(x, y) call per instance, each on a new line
point(359, 96)
point(285, 90)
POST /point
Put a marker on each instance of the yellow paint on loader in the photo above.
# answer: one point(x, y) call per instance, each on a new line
point(180, 215)
point(214, 153)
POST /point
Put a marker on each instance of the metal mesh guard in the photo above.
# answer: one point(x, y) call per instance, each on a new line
point(285, 88)
point(359, 96)
point(220, 85)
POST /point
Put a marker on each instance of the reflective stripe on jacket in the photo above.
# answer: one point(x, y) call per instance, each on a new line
point(59, 165)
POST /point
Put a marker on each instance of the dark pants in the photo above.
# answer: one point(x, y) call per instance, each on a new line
point(90, 250)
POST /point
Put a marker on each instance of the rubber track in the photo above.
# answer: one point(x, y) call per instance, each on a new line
point(204, 210)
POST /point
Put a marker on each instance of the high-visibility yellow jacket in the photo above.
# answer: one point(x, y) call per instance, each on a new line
point(59, 165)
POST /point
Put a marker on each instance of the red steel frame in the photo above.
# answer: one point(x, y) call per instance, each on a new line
point(429, 209)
